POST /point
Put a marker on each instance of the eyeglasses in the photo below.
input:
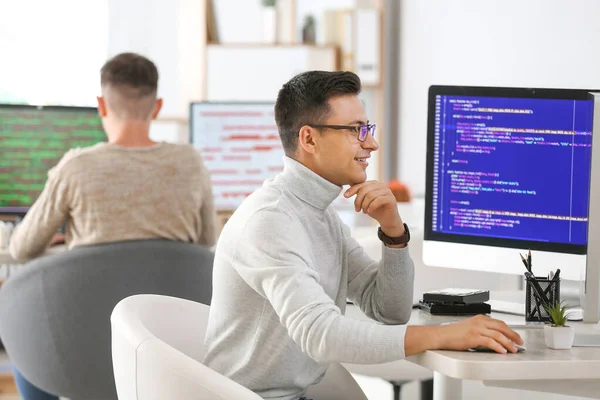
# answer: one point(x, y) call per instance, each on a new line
point(361, 130)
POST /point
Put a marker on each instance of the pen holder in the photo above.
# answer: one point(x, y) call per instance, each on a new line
point(534, 306)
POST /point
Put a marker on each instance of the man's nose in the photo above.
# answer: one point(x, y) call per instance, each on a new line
point(370, 143)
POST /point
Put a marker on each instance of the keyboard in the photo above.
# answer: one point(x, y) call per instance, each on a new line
point(586, 339)
point(507, 307)
point(512, 307)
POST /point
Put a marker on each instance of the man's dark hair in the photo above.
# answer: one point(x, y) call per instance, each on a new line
point(304, 100)
point(130, 82)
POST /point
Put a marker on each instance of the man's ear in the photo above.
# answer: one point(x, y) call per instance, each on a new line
point(101, 106)
point(157, 107)
point(308, 139)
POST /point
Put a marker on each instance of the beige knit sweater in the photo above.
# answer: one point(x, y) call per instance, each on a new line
point(107, 193)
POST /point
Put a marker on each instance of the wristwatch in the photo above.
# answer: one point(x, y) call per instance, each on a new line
point(394, 240)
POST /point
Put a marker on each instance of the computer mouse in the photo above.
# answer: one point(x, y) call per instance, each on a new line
point(484, 349)
point(575, 314)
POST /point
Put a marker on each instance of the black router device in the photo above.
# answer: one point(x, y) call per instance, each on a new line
point(455, 309)
point(456, 302)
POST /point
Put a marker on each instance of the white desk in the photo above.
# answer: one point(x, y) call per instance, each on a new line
point(574, 372)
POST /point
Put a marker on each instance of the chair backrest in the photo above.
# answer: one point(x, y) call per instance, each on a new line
point(157, 349)
point(55, 312)
point(158, 346)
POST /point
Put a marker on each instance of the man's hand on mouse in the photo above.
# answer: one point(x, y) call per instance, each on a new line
point(479, 331)
point(375, 199)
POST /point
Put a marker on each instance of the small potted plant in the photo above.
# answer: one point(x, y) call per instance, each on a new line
point(309, 30)
point(269, 25)
point(557, 334)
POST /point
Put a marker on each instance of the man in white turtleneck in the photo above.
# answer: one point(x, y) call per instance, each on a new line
point(285, 263)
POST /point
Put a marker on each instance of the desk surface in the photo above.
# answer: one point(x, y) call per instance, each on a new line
point(537, 362)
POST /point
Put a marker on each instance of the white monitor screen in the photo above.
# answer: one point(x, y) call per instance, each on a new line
point(240, 146)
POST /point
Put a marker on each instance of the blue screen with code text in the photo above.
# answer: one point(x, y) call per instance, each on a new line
point(512, 168)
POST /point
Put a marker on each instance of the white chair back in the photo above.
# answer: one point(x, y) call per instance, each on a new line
point(157, 348)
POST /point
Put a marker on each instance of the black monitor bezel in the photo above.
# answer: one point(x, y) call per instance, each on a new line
point(489, 91)
point(22, 210)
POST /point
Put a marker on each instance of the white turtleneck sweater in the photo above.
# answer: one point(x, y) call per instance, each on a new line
point(284, 266)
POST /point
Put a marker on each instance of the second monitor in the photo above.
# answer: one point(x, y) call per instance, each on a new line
point(32, 141)
point(240, 146)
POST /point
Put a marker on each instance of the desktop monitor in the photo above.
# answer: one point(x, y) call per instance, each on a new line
point(240, 145)
point(508, 169)
point(591, 290)
point(32, 141)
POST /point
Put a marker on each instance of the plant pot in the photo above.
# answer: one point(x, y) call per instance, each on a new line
point(269, 25)
point(559, 337)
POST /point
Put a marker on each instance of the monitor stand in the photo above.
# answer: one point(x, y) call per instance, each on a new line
point(516, 308)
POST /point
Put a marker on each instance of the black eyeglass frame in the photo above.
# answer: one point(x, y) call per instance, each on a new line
point(362, 131)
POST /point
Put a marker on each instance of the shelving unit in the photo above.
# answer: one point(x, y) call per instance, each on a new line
point(256, 71)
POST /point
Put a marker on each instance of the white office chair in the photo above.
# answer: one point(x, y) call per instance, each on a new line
point(157, 342)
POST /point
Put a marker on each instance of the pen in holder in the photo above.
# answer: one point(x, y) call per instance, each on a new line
point(539, 292)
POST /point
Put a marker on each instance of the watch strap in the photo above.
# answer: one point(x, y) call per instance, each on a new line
point(394, 240)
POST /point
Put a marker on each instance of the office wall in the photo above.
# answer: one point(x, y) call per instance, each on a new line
point(172, 34)
point(240, 21)
point(534, 43)
point(52, 51)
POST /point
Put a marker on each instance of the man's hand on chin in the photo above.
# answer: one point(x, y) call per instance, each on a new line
point(377, 201)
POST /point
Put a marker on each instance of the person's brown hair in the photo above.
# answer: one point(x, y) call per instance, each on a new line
point(130, 83)
point(304, 99)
